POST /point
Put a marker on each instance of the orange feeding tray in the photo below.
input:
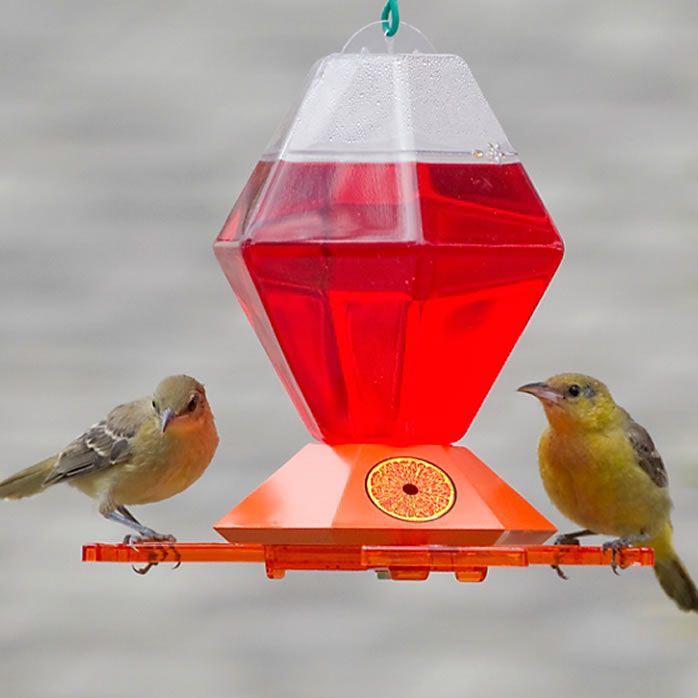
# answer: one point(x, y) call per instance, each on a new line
point(412, 562)
point(388, 249)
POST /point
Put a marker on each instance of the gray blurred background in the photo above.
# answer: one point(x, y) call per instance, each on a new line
point(126, 131)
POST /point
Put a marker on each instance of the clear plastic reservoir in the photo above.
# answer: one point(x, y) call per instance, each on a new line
point(389, 247)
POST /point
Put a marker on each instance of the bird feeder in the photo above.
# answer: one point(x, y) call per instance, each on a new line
point(388, 250)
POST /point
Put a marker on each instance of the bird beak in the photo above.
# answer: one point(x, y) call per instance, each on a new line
point(166, 417)
point(542, 391)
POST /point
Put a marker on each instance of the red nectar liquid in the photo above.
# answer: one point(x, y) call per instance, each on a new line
point(388, 296)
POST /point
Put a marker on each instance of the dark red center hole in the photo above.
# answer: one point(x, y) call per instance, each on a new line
point(409, 488)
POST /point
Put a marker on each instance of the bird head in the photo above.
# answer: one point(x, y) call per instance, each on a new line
point(180, 403)
point(574, 400)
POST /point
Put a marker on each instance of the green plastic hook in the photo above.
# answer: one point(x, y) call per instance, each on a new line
point(390, 25)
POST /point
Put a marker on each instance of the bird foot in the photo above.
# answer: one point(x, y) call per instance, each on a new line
point(157, 554)
point(564, 539)
point(153, 537)
point(560, 572)
point(616, 546)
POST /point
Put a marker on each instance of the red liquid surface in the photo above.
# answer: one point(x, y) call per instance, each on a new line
point(388, 296)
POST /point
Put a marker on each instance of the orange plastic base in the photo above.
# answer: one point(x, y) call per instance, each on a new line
point(371, 494)
point(468, 564)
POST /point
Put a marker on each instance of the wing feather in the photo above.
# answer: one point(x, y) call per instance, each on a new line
point(648, 457)
point(103, 445)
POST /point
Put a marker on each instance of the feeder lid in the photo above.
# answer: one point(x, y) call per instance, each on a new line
point(390, 100)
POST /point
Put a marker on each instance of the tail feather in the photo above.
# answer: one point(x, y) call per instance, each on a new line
point(677, 583)
point(673, 577)
point(27, 482)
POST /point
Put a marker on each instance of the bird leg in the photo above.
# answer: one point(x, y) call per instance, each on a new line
point(145, 535)
point(571, 538)
point(617, 544)
point(123, 516)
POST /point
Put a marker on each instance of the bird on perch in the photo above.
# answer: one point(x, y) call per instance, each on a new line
point(143, 451)
point(601, 469)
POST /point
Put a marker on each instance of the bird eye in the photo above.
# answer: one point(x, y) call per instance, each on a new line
point(574, 390)
point(193, 403)
point(155, 407)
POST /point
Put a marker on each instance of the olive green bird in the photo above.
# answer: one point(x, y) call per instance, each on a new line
point(601, 470)
point(144, 451)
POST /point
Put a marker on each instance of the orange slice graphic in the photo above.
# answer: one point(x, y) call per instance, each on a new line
point(410, 489)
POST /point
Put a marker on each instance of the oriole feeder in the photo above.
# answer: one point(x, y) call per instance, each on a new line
point(388, 249)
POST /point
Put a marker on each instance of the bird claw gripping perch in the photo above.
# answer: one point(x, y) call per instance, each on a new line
point(560, 572)
point(157, 553)
point(617, 545)
point(568, 539)
point(132, 539)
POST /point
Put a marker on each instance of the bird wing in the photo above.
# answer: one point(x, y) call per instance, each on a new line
point(105, 444)
point(648, 457)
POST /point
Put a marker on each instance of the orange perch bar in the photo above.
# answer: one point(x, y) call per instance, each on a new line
point(468, 563)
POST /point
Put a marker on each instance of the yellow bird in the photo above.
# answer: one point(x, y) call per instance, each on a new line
point(601, 470)
point(144, 451)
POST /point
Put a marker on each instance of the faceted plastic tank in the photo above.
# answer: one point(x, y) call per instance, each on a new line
point(389, 249)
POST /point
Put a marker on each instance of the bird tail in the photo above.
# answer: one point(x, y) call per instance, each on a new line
point(671, 573)
point(27, 482)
